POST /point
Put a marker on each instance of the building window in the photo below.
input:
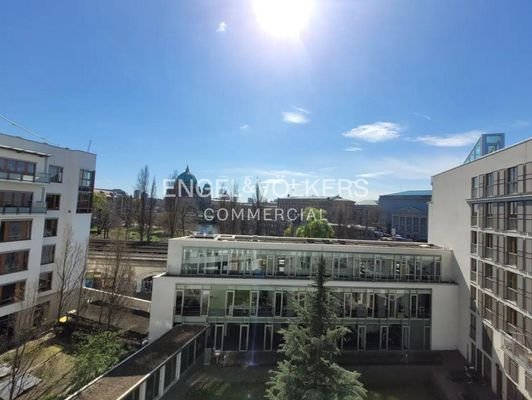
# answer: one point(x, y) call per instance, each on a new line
point(511, 286)
point(511, 250)
point(511, 368)
point(48, 254)
point(490, 214)
point(17, 170)
point(50, 227)
point(14, 261)
point(52, 201)
point(474, 214)
point(488, 276)
point(488, 308)
point(473, 327)
point(15, 199)
point(15, 230)
point(474, 242)
point(489, 184)
point(473, 274)
point(511, 321)
point(12, 293)
point(511, 221)
point(45, 281)
point(56, 173)
point(85, 190)
point(474, 187)
point(511, 180)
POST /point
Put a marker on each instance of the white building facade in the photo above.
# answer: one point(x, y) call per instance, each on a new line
point(482, 211)
point(45, 195)
point(392, 296)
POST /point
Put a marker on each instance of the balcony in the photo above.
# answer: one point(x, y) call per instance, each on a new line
point(511, 259)
point(489, 283)
point(474, 248)
point(488, 252)
point(517, 350)
point(38, 207)
point(488, 314)
point(40, 177)
point(511, 224)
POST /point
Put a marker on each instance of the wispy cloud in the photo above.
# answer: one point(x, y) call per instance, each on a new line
point(452, 140)
point(353, 148)
point(222, 26)
point(244, 127)
point(425, 116)
point(299, 116)
point(520, 123)
point(376, 132)
point(418, 167)
point(373, 174)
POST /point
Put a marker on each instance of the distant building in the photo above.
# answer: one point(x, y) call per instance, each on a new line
point(367, 213)
point(119, 201)
point(186, 189)
point(406, 213)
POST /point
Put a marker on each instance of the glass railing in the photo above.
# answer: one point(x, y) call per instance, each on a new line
point(511, 259)
point(520, 352)
point(40, 177)
point(489, 283)
point(510, 294)
point(36, 208)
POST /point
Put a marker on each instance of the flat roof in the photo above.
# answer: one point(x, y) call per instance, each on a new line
point(130, 372)
point(45, 144)
point(299, 240)
point(19, 150)
point(410, 193)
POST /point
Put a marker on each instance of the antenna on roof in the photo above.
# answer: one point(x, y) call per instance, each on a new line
point(24, 129)
point(89, 146)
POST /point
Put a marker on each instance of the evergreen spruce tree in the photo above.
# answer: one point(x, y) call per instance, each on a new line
point(308, 370)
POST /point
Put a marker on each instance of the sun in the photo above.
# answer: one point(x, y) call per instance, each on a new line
point(283, 18)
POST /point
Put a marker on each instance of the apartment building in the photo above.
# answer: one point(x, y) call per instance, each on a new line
point(45, 194)
point(391, 295)
point(482, 210)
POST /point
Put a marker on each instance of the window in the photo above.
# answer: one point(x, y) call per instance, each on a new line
point(17, 170)
point(15, 199)
point(488, 245)
point(85, 190)
point(511, 286)
point(12, 293)
point(473, 327)
point(15, 230)
point(511, 222)
point(474, 214)
point(511, 368)
point(48, 254)
point(511, 249)
point(511, 180)
point(474, 187)
point(45, 281)
point(490, 213)
point(489, 184)
point(50, 227)
point(56, 173)
point(473, 275)
point(474, 242)
point(52, 201)
point(14, 261)
point(511, 321)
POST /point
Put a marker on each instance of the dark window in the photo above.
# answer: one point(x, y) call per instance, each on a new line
point(12, 293)
point(15, 199)
point(474, 187)
point(17, 170)
point(56, 173)
point(511, 180)
point(50, 227)
point(511, 368)
point(45, 281)
point(15, 230)
point(52, 201)
point(489, 184)
point(85, 190)
point(14, 261)
point(48, 254)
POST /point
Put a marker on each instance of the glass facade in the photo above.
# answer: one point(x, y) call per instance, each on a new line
point(303, 264)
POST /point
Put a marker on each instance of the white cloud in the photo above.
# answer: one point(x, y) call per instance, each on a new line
point(418, 167)
point(301, 109)
point(222, 26)
point(453, 140)
point(374, 174)
point(353, 148)
point(425, 116)
point(376, 132)
point(520, 123)
point(244, 127)
point(295, 117)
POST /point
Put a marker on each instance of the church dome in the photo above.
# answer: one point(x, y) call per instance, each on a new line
point(187, 178)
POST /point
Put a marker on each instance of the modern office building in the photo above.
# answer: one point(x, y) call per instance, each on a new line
point(45, 194)
point(391, 295)
point(405, 213)
point(482, 211)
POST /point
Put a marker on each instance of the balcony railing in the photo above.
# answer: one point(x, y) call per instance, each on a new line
point(518, 351)
point(489, 283)
point(40, 177)
point(488, 314)
point(511, 259)
point(488, 252)
point(474, 248)
point(36, 208)
point(511, 224)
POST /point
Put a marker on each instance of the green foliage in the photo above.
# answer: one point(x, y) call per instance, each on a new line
point(96, 354)
point(309, 370)
point(315, 224)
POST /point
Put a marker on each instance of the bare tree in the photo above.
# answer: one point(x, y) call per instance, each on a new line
point(151, 205)
point(71, 266)
point(229, 202)
point(258, 203)
point(143, 181)
point(180, 212)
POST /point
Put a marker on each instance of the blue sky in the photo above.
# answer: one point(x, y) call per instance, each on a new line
point(392, 91)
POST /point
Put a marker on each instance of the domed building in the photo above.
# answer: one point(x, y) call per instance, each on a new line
point(186, 184)
point(186, 189)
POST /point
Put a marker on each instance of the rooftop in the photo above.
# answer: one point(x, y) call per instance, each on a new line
point(132, 370)
point(298, 240)
point(411, 193)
